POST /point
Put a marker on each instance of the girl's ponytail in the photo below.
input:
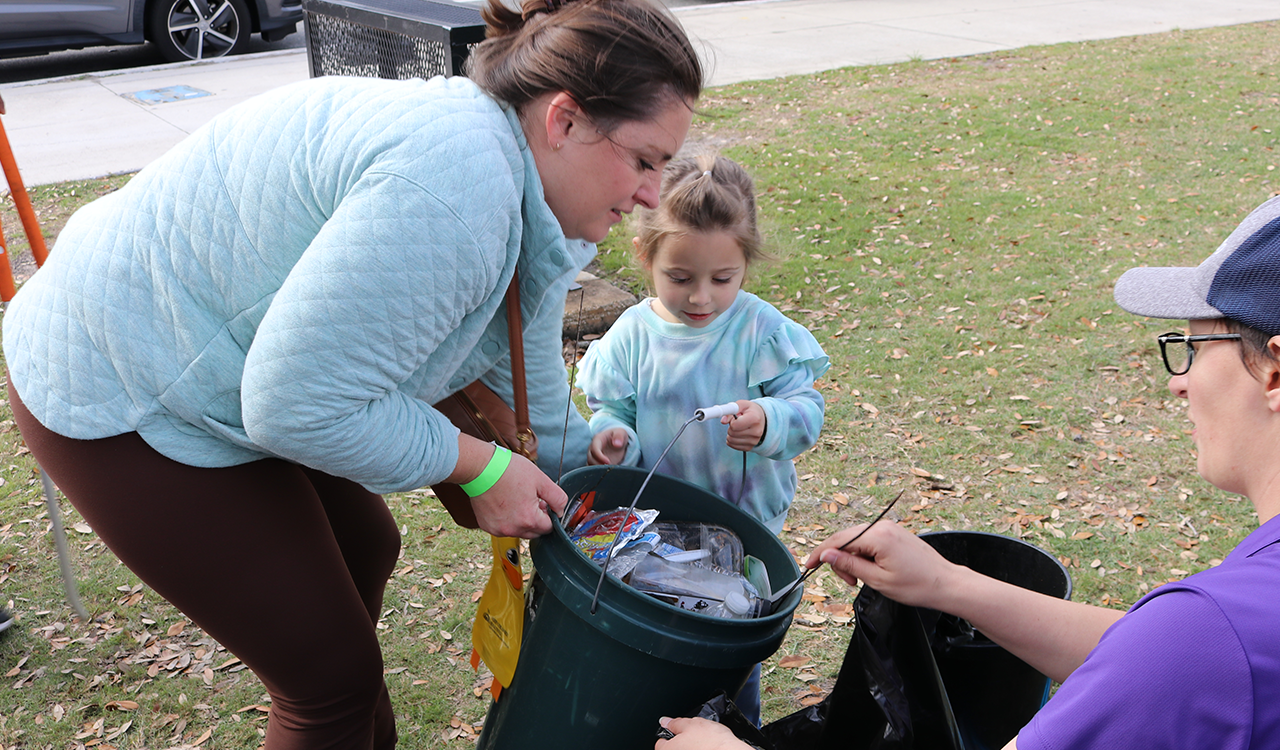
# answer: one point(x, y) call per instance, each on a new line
point(702, 194)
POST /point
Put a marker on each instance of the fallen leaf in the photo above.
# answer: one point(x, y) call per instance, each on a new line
point(121, 706)
point(176, 628)
point(1082, 535)
point(114, 733)
point(793, 661)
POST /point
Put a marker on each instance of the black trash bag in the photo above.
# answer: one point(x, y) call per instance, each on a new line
point(721, 709)
point(993, 693)
point(892, 690)
point(888, 696)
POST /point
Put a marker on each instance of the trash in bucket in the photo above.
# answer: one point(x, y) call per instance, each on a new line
point(695, 566)
point(604, 679)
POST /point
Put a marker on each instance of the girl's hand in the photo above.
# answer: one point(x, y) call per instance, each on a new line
point(608, 447)
point(746, 429)
point(889, 559)
point(698, 734)
point(518, 504)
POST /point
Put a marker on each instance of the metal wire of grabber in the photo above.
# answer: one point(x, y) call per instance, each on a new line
point(26, 212)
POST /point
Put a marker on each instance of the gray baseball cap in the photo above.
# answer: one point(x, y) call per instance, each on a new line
point(1241, 280)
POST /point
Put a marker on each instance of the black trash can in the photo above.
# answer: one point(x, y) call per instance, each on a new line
point(602, 680)
point(993, 693)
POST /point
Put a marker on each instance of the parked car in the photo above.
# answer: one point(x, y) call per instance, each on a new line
point(180, 29)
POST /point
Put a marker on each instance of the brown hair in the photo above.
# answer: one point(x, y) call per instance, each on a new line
point(702, 194)
point(1254, 351)
point(620, 60)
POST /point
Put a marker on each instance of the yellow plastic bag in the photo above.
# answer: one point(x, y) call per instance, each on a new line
point(499, 623)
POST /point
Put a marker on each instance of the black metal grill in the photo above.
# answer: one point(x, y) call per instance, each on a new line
point(389, 38)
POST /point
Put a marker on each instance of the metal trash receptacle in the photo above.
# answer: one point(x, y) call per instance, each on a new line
point(395, 39)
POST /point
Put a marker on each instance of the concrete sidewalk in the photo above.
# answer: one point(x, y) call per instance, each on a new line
point(109, 123)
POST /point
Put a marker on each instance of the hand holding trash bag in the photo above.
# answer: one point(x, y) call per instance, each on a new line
point(698, 734)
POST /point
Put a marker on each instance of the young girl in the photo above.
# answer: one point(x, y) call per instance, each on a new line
point(704, 341)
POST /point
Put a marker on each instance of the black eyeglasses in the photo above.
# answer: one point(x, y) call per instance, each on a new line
point(1180, 361)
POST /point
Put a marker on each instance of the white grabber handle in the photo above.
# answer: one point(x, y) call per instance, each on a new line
point(716, 412)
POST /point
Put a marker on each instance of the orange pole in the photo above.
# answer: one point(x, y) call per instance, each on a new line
point(21, 200)
point(6, 273)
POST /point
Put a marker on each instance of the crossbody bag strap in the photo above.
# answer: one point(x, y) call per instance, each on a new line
point(515, 334)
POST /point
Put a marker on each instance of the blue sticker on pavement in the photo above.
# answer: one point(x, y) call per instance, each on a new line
point(168, 94)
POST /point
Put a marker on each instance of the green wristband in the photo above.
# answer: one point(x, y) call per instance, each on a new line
point(498, 464)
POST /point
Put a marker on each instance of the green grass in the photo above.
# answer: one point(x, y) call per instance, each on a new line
point(950, 231)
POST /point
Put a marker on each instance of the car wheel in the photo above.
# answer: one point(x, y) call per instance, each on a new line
point(198, 29)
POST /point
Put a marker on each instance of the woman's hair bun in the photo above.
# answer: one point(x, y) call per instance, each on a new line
point(620, 60)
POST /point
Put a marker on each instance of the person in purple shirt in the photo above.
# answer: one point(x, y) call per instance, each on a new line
point(1193, 664)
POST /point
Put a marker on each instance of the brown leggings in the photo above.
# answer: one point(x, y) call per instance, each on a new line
point(283, 565)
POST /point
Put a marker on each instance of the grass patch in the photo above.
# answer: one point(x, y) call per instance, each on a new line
point(951, 231)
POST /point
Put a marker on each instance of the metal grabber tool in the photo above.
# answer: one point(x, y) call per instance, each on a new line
point(781, 593)
point(26, 212)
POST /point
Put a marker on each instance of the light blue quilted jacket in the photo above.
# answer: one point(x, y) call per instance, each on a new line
point(302, 278)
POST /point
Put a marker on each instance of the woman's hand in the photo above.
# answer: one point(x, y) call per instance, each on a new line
point(698, 734)
point(518, 504)
point(889, 559)
point(608, 447)
point(746, 428)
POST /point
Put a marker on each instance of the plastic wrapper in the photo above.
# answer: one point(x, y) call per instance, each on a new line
point(724, 545)
point(597, 531)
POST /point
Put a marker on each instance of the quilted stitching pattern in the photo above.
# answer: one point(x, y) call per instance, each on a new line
point(300, 278)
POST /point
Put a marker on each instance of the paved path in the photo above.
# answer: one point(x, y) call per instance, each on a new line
point(91, 126)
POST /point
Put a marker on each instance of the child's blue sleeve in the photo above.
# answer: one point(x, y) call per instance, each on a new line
point(611, 397)
point(785, 368)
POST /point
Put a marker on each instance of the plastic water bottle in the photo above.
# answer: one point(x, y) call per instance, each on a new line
point(696, 588)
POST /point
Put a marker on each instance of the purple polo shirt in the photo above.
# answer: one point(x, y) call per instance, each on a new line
point(1194, 665)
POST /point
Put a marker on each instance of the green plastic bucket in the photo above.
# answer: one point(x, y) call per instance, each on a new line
point(602, 680)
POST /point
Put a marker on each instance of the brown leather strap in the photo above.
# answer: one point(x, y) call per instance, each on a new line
point(515, 334)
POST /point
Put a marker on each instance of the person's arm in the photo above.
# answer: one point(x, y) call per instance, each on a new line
point(504, 509)
point(612, 398)
point(1050, 634)
point(784, 367)
point(792, 413)
point(563, 435)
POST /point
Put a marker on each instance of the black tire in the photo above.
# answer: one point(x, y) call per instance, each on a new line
point(198, 29)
